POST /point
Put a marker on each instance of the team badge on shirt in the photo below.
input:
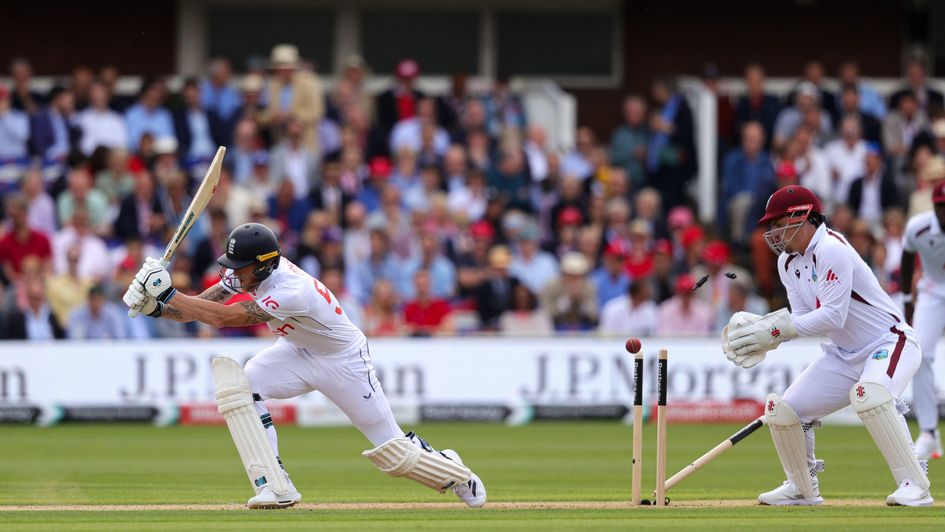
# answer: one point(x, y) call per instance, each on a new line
point(880, 355)
point(813, 274)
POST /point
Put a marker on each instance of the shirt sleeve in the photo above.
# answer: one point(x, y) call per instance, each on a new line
point(834, 288)
point(284, 303)
point(908, 243)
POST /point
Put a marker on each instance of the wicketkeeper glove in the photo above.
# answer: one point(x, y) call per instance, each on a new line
point(740, 319)
point(762, 335)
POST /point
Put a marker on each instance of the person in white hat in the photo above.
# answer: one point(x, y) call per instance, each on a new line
point(293, 93)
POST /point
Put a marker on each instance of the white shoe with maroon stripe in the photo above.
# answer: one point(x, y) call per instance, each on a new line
point(909, 494)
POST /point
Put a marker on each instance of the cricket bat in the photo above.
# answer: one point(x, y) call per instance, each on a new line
point(197, 205)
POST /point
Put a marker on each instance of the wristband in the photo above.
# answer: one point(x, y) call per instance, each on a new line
point(158, 310)
point(166, 295)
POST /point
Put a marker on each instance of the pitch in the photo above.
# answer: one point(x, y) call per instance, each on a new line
point(541, 476)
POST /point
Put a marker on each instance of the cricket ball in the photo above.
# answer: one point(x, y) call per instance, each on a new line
point(634, 345)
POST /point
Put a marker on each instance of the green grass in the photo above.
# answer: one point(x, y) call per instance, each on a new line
point(118, 465)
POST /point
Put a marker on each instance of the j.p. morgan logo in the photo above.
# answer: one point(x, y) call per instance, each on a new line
point(12, 384)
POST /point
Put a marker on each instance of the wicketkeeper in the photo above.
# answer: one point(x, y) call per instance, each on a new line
point(318, 349)
point(871, 357)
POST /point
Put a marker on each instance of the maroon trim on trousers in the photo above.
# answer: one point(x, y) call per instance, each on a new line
point(894, 359)
point(923, 230)
point(857, 297)
point(788, 261)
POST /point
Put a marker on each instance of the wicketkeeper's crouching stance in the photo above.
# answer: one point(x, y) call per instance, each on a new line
point(870, 359)
point(318, 349)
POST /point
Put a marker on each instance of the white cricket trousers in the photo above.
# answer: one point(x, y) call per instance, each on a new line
point(928, 322)
point(824, 386)
point(347, 379)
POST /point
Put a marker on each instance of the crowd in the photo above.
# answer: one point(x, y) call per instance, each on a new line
point(446, 214)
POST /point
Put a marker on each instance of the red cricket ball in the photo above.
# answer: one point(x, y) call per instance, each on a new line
point(634, 345)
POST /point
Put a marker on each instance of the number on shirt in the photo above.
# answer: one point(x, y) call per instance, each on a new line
point(270, 303)
point(323, 291)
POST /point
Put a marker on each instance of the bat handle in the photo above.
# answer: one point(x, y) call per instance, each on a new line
point(132, 313)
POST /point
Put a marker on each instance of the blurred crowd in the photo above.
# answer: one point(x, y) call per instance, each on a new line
point(440, 214)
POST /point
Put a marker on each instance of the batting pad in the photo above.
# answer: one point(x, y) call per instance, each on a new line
point(877, 410)
point(235, 403)
point(788, 436)
point(399, 457)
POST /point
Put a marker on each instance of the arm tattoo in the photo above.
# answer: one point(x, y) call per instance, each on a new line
point(215, 293)
point(254, 314)
point(172, 313)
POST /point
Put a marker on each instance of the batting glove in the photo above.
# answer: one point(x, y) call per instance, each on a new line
point(762, 335)
point(139, 300)
point(156, 280)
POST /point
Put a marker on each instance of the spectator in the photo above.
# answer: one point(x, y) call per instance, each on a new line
point(379, 265)
point(219, 96)
point(814, 75)
point(846, 157)
point(41, 210)
point(631, 314)
point(869, 101)
point(791, 118)
point(199, 131)
point(647, 206)
point(744, 171)
point(524, 318)
point(81, 84)
point(418, 196)
point(400, 101)
point(871, 127)
point(579, 161)
point(293, 94)
point(115, 181)
point(610, 280)
point(628, 142)
point(119, 103)
point(571, 299)
point(24, 99)
point(534, 267)
point(407, 133)
point(929, 175)
point(504, 109)
point(508, 180)
point(245, 149)
point(811, 165)
point(21, 241)
point(356, 241)
point(739, 299)
point(54, 132)
point(684, 314)
point(254, 101)
point(468, 201)
point(35, 321)
point(426, 315)
point(93, 255)
point(440, 271)
point(14, 131)
point(536, 153)
point(289, 210)
point(472, 253)
point(149, 115)
point(311, 243)
point(204, 264)
point(68, 290)
point(293, 159)
point(927, 99)
point(874, 192)
point(354, 73)
point(141, 214)
point(381, 317)
point(98, 319)
point(494, 294)
point(100, 125)
point(900, 128)
point(671, 153)
point(756, 105)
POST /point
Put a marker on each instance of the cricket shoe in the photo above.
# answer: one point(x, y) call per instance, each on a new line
point(909, 494)
point(928, 445)
point(473, 491)
point(267, 499)
point(787, 493)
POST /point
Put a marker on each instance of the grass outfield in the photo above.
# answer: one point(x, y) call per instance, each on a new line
point(532, 472)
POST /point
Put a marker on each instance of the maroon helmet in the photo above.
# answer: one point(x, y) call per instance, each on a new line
point(795, 202)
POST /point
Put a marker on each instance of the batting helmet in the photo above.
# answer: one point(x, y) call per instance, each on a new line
point(790, 200)
point(251, 244)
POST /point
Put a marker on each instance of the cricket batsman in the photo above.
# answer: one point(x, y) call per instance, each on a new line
point(925, 236)
point(317, 348)
point(871, 357)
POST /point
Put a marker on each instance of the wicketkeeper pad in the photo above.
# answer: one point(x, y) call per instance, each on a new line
point(788, 436)
point(235, 403)
point(399, 457)
point(877, 410)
